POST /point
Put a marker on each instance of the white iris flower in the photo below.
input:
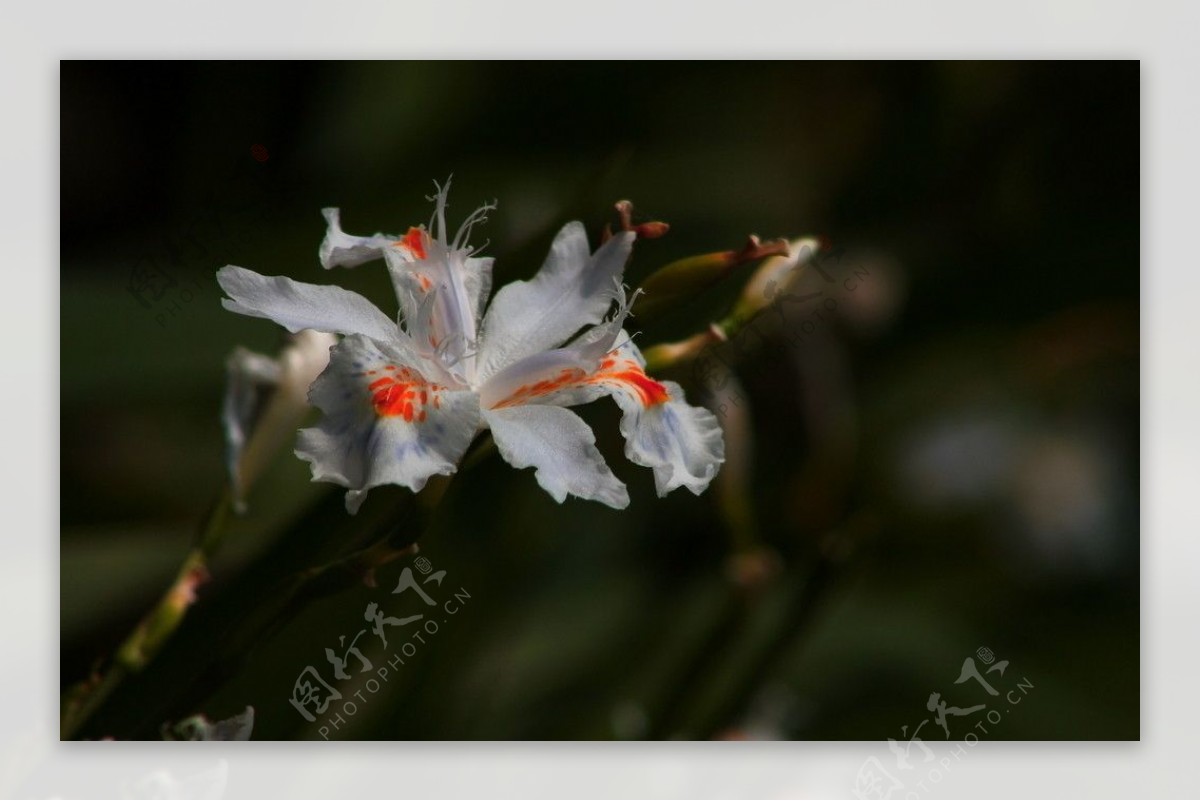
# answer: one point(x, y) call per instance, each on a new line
point(402, 403)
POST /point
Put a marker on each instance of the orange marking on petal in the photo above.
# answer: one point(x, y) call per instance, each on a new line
point(568, 376)
point(414, 240)
point(403, 395)
point(424, 281)
point(650, 391)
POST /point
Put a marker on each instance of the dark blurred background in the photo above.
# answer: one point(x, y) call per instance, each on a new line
point(945, 461)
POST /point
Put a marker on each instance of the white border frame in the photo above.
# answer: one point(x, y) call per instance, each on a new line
point(35, 37)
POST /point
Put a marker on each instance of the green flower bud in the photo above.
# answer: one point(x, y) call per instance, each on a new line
point(769, 280)
point(681, 279)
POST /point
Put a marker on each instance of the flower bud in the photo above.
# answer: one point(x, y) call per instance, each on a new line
point(265, 402)
point(772, 278)
point(681, 279)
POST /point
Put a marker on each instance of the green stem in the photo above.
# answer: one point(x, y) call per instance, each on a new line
point(154, 629)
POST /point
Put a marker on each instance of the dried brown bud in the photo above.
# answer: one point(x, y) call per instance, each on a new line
point(646, 230)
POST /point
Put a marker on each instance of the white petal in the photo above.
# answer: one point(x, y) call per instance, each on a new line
point(479, 283)
point(573, 289)
point(561, 447)
point(683, 444)
point(533, 377)
point(563, 368)
point(340, 249)
point(384, 421)
point(199, 727)
point(297, 306)
point(411, 290)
